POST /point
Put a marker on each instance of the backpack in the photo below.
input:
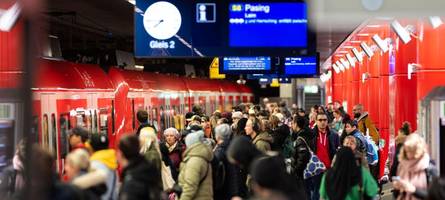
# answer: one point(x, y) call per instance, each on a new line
point(372, 154)
point(366, 145)
point(218, 174)
point(288, 147)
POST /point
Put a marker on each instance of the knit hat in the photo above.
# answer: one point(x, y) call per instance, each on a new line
point(194, 137)
point(99, 142)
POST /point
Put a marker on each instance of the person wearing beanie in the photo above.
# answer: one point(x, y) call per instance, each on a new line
point(277, 185)
point(104, 159)
point(225, 181)
point(140, 178)
point(195, 176)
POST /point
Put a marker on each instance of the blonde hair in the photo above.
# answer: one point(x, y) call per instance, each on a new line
point(413, 143)
point(147, 139)
point(79, 158)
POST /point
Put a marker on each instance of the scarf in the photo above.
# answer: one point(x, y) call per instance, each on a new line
point(171, 148)
point(413, 171)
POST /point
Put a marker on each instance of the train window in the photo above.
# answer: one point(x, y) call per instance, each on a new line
point(95, 127)
point(162, 123)
point(88, 120)
point(45, 135)
point(64, 134)
point(103, 121)
point(112, 116)
point(53, 138)
point(155, 119)
point(134, 114)
point(54, 146)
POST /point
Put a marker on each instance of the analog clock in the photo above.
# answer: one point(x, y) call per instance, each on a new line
point(162, 20)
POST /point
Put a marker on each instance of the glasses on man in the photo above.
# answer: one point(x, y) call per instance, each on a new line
point(320, 120)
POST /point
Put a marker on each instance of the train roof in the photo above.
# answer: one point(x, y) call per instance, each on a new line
point(138, 80)
point(66, 75)
point(199, 84)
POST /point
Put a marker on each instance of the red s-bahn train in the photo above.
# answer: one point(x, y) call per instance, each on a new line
point(70, 94)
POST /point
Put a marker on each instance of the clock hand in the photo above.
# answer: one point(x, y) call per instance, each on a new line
point(160, 21)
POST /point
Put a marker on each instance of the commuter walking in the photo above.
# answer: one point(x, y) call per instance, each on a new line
point(140, 178)
point(347, 180)
point(195, 176)
point(415, 170)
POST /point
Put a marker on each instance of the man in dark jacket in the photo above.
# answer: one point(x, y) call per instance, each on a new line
point(326, 144)
point(226, 177)
point(141, 180)
point(279, 133)
point(302, 135)
point(142, 117)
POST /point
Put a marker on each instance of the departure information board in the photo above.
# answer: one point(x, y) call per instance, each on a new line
point(246, 64)
point(230, 28)
point(267, 25)
point(301, 66)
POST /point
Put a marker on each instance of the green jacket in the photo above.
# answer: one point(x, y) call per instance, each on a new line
point(195, 176)
point(262, 142)
point(370, 187)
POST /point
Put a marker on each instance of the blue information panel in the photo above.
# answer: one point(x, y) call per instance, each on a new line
point(301, 66)
point(246, 64)
point(230, 28)
point(267, 24)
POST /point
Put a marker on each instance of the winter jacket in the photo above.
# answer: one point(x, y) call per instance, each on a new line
point(364, 123)
point(302, 151)
point(91, 183)
point(368, 184)
point(333, 139)
point(141, 180)
point(175, 154)
point(153, 157)
point(263, 142)
point(231, 186)
point(279, 136)
point(337, 125)
point(105, 160)
point(195, 176)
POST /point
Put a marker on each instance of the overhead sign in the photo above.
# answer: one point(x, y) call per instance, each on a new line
point(306, 66)
point(246, 64)
point(178, 28)
point(267, 24)
point(214, 70)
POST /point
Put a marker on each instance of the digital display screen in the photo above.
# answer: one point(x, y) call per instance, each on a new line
point(301, 66)
point(259, 76)
point(221, 28)
point(267, 24)
point(247, 64)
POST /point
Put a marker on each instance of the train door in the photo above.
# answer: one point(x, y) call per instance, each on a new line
point(50, 137)
point(432, 125)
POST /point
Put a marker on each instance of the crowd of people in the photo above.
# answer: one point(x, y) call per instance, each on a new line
point(254, 152)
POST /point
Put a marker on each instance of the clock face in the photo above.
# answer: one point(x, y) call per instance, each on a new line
point(162, 20)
